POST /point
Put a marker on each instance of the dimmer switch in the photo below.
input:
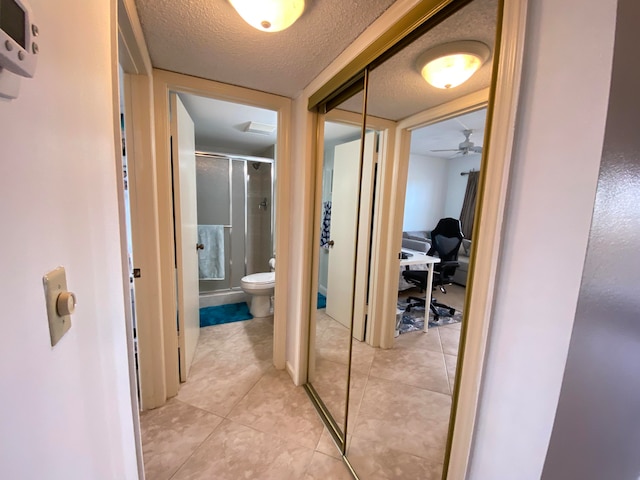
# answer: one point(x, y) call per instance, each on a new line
point(60, 303)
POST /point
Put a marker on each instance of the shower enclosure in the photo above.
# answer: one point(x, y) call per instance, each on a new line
point(235, 202)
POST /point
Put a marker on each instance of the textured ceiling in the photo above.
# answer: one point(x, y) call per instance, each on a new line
point(396, 88)
point(207, 38)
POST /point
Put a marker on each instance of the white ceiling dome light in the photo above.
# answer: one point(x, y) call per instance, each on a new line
point(451, 64)
point(269, 15)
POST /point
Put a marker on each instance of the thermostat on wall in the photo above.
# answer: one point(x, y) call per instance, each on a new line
point(18, 49)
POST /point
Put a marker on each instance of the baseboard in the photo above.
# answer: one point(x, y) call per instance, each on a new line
point(293, 374)
point(289, 369)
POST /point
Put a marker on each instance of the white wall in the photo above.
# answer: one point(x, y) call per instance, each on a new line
point(435, 189)
point(426, 192)
point(301, 233)
point(457, 184)
point(66, 411)
point(552, 191)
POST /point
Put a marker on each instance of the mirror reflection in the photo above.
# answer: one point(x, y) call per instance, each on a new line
point(400, 369)
point(337, 233)
point(399, 427)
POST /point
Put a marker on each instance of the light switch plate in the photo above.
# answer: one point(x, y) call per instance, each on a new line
point(55, 283)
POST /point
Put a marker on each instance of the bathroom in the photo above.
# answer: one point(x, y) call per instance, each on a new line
point(235, 181)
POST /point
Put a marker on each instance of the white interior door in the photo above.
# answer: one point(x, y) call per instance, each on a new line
point(186, 230)
point(344, 221)
point(364, 236)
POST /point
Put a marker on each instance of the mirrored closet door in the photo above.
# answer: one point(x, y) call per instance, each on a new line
point(400, 427)
point(394, 419)
point(338, 172)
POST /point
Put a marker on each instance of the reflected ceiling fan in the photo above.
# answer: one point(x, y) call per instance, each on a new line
point(464, 148)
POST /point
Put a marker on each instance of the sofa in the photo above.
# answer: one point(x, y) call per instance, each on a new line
point(420, 240)
point(417, 240)
point(461, 273)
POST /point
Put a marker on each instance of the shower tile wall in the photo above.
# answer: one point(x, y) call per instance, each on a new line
point(259, 248)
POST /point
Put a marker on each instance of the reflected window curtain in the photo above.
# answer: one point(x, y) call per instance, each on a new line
point(469, 204)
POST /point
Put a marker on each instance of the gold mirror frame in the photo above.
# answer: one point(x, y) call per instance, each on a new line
point(502, 107)
point(337, 430)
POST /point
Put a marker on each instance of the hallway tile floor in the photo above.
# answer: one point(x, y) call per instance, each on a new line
point(238, 417)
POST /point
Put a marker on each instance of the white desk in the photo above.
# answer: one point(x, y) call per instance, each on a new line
point(419, 258)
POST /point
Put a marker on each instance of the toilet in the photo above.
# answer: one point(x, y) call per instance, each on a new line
point(260, 287)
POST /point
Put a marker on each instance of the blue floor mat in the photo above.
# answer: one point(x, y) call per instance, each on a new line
point(233, 312)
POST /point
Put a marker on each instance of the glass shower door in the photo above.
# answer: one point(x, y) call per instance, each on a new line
point(221, 203)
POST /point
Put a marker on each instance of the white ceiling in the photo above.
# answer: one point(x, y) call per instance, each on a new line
point(219, 126)
point(448, 134)
point(207, 38)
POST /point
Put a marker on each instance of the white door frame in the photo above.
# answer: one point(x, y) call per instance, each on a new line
point(130, 52)
point(165, 82)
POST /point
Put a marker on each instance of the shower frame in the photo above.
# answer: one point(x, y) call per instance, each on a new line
point(245, 159)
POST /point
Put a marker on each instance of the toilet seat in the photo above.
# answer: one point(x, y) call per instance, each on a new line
point(256, 280)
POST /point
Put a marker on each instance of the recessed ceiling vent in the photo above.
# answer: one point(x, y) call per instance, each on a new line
point(259, 128)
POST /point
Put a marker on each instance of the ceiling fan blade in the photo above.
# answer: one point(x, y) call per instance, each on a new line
point(462, 124)
point(446, 150)
point(476, 149)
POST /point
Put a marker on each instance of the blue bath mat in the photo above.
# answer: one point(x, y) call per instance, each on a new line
point(233, 312)
point(322, 301)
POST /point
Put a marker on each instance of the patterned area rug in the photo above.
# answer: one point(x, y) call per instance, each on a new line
point(414, 320)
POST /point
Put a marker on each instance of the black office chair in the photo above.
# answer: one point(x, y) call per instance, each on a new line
point(445, 243)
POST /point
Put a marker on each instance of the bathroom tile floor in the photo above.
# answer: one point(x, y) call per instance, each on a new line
point(238, 417)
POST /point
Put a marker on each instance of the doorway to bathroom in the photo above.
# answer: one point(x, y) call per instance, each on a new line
point(235, 223)
point(223, 157)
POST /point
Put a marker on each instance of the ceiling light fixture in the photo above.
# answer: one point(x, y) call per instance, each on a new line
point(269, 15)
point(451, 64)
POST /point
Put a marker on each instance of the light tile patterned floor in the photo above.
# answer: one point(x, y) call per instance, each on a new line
point(400, 398)
point(238, 417)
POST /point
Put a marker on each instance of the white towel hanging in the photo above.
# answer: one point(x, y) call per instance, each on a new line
point(211, 257)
